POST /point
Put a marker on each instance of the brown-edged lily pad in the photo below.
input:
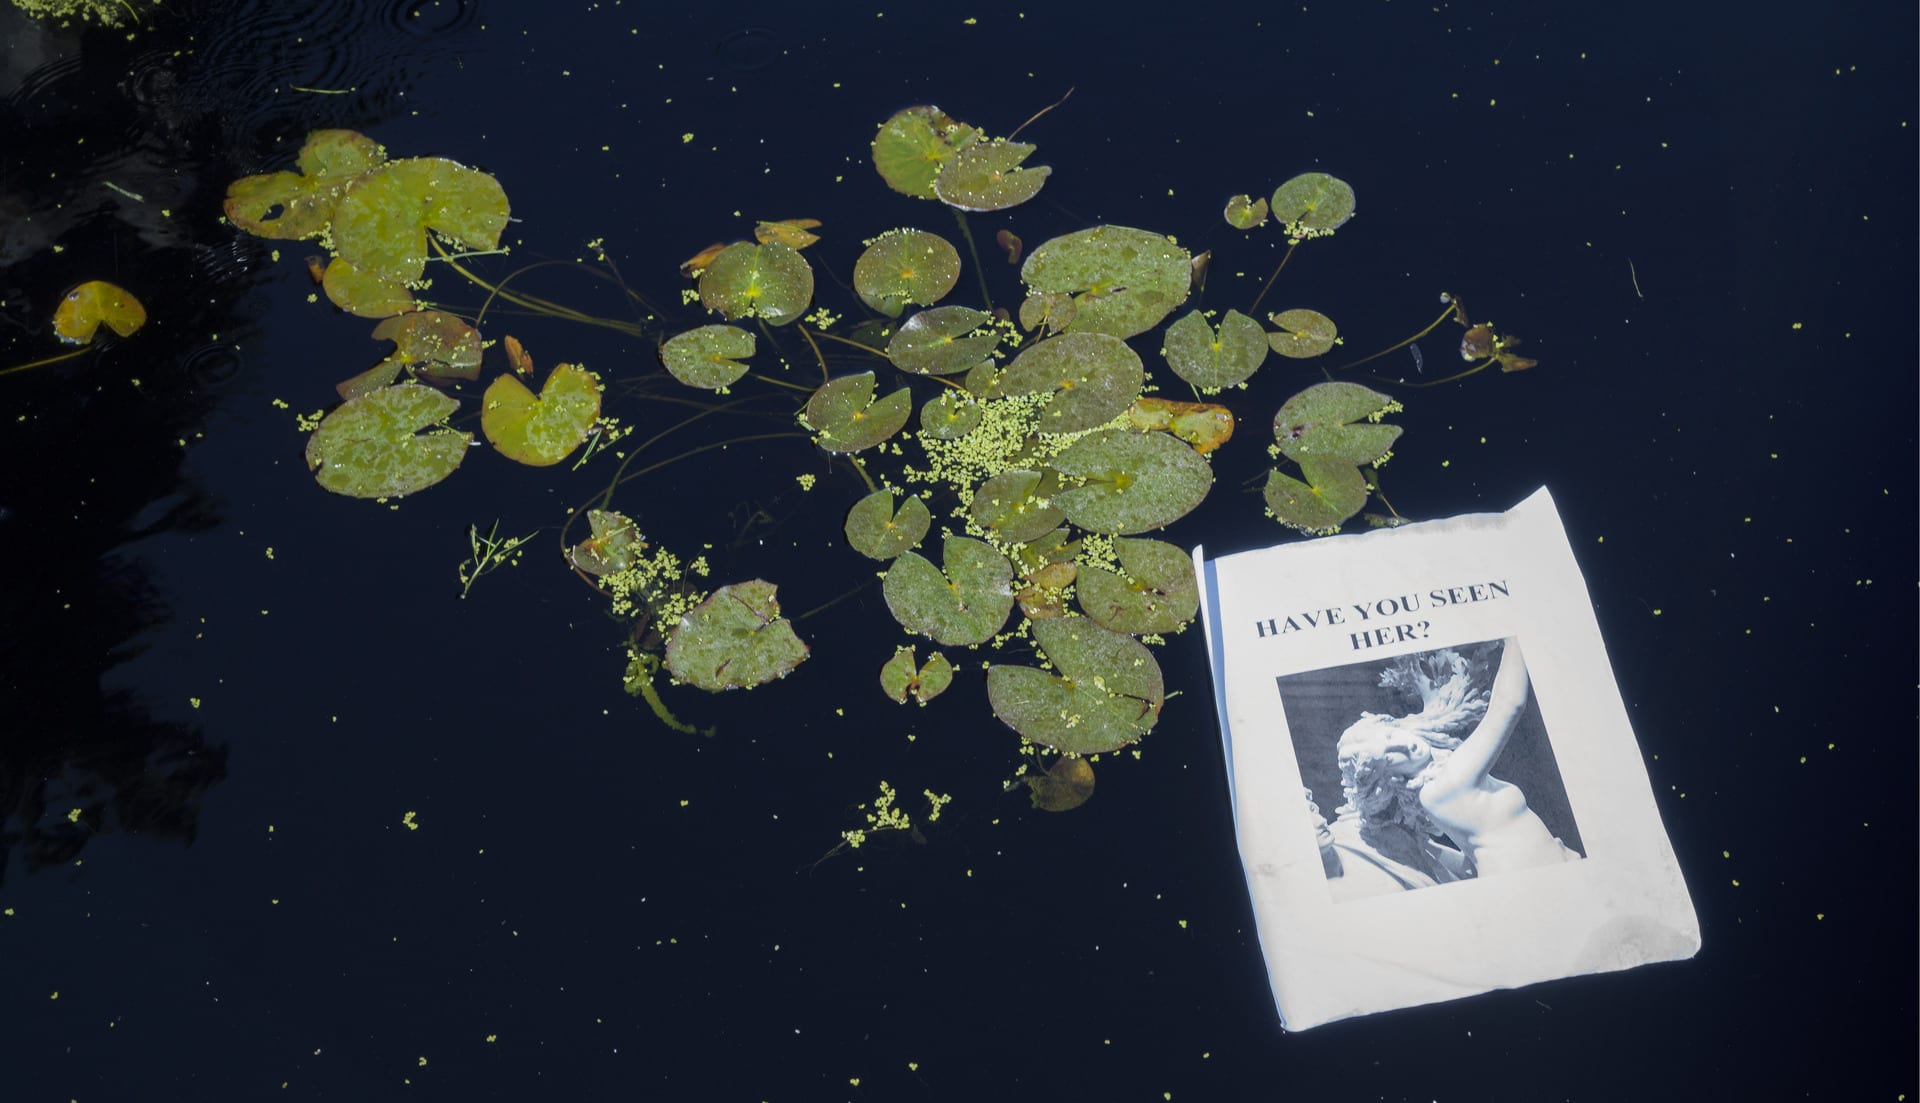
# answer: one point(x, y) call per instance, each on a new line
point(736, 639)
point(899, 677)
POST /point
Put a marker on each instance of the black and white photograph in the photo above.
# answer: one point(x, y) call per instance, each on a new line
point(1427, 769)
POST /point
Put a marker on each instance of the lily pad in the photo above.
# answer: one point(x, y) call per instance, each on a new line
point(845, 417)
point(943, 341)
point(951, 416)
point(745, 280)
point(1155, 590)
point(877, 532)
point(1014, 504)
point(1066, 785)
point(905, 266)
point(1303, 334)
point(1334, 491)
point(1093, 377)
point(1133, 481)
point(541, 432)
point(293, 205)
point(735, 639)
point(1245, 213)
point(1210, 358)
point(898, 677)
point(1124, 281)
point(1052, 310)
point(1313, 204)
point(964, 606)
point(364, 295)
point(83, 310)
point(1104, 692)
point(988, 176)
point(708, 357)
point(911, 147)
point(1204, 425)
point(1320, 423)
point(613, 547)
point(433, 342)
point(381, 223)
point(372, 447)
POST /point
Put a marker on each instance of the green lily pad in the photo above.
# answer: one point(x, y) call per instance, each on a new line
point(1319, 423)
point(911, 147)
point(1066, 785)
point(943, 341)
point(747, 280)
point(951, 416)
point(845, 417)
point(1245, 213)
point(1214, 359)
point(372, 447)
point(1053, 310)
point(1124, 281)
point(966, 605)
point(433, 342)
point(304, 200)
point(381, 223)
point(877, 532)
point(899, 678)
point(1313, 204)
point(987, 176)
point(1154, 592)
point(1133, 481)
point(1303, 333)
point(613, 547)
point(983, 380)
point(1104, 692)
point(364, 295)
point(905, 266)
point(1334, 491)
point(1093, 377)
point(1014, 504)
point(541, 432)
point(708, 357)
point(735, 639)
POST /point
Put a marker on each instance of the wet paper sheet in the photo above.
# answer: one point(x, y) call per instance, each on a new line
point(1435, 788)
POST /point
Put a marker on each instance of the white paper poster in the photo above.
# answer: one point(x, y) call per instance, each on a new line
point(1435, 788)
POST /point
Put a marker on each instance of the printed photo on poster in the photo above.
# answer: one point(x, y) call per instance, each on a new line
point(1426, 769)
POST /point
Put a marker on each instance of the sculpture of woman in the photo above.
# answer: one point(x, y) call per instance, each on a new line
point(1411, 778)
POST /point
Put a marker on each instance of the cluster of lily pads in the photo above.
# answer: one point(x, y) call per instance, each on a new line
point(1037, 449)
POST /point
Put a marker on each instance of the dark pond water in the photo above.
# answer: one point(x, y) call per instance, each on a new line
point(287, 817)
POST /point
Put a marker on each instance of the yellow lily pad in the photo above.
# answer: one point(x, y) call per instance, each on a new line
point(541, 432)
point(83, 310)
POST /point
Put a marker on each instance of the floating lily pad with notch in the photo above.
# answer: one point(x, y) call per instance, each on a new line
point(708, 357)
point(951, 416)
point(1093, 378)
point(905, 266)
point(1211, 358)
point(1052, 310)
point(1104, 692)
point(745, 280)
point(613, 547)
point(989, 176)
point(898, 677)
point(735, 639)
point(363, 295)
point(83, 310)
point(1204, 425)
point(876, 531)
point(1154, 591)
point(1334, 490)
point(845, 418)
point(541, 432)
point(913, 145)
point(1014, 504)
point(1133, 482)
point(1303, 333)
point(293, 205)
point(433, 343)
point(372, 446)
point(1313, 204)
point(962, 606)
point(1336, 421)
point(943, 341)
point(1123, 280)
point(380, 225)
point(1245, 213)
point(1066, 785)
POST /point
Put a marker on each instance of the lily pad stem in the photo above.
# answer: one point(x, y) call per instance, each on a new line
point(966, 231)
point(1444, 315)
point(1291, 246)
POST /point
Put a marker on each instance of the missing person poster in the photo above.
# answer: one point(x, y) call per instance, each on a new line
point(1435, 788)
